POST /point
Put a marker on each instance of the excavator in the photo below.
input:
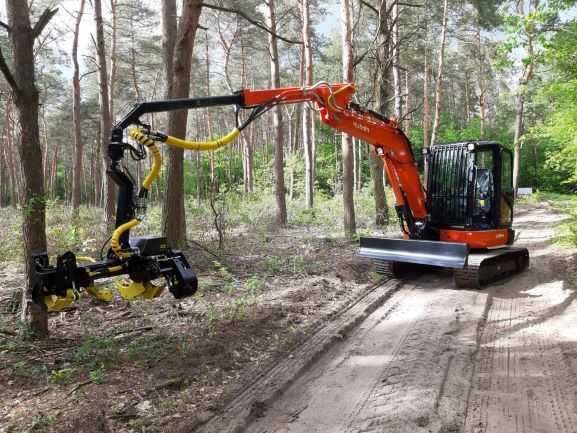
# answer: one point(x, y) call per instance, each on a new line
point(462, 220)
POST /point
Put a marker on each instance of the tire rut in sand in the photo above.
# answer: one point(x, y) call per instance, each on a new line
point(405, 369)
point(425, 385)
point(522, 382)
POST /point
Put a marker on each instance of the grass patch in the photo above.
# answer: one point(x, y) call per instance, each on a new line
point(560, 202)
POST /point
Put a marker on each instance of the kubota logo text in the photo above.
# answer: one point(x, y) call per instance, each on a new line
point(361, 127)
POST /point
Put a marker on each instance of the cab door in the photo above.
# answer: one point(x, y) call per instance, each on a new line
point(506, 195)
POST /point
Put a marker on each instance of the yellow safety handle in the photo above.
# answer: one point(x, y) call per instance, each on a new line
point(203, 145)
point(137, 134)
point(115, 239)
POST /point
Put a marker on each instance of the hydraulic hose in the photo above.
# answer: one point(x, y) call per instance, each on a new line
point(115, 240)
point(203, 146)
point(137, 134)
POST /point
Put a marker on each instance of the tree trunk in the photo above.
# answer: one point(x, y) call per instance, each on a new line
point(524, 79)
point(308, 114)
point(396, 74)
point(174, 216)
point(426, 83)
point(105, 121)
point(381, 97)
point(517, 139)
point(169, 24)
point(78, 145)
point(10, 150)
point(247, 154)
point(133, 61)
point(467, 99)
point(113, 55)
point(278, 127)
point(407, 120)
point(349, 224)
point(482, 81)
point(22, 83)
point(438, 83)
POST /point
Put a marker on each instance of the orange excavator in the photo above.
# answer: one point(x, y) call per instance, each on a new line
point(461, 221)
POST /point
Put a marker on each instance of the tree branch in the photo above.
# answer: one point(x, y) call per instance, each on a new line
point(371, 7)
point(8, 73)
point(250, 20)
point(6, 26)
point(44, 19)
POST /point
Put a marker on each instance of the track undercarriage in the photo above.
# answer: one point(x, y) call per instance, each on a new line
point(481, 267)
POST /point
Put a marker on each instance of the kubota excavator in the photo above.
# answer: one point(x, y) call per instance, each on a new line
point(463, 220)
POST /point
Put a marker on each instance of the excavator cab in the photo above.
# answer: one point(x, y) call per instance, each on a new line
point(470, 186)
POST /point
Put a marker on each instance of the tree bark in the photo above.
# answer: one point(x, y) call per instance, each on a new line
point(246, 143)
point(349, 224)
point(426, 83)
point(9, 150)
point(467, 99)
point(169, 25)
point(382, 70)
point(308, 119)
point(78, 145)
point(105, 120)
point(174, 215)
point(407, 117)
point(396, 73)
point(439, 80)
point(526, 76)
point(113, 55)
point(26, 98)
point(482, 81)
point(278, 127)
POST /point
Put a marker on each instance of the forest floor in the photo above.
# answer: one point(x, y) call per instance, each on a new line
point(162, 365)
point(424, 358)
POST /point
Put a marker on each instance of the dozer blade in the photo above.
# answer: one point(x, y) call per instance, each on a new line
point(434, 253)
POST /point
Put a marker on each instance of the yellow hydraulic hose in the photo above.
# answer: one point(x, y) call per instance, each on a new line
point(203, 145)
point(154, 152)
point(115, 239)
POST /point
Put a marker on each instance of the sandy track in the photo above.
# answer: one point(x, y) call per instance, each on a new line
point(524, 378)
point(436, 359)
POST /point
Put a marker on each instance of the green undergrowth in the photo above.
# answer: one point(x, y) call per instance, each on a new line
point(566, 232)
point(236, 214)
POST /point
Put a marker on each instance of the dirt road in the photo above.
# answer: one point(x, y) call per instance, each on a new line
point(436, 359)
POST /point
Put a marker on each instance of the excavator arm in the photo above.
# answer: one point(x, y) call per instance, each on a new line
point(145, 260)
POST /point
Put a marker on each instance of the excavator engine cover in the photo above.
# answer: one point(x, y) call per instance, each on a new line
point(433, 253)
